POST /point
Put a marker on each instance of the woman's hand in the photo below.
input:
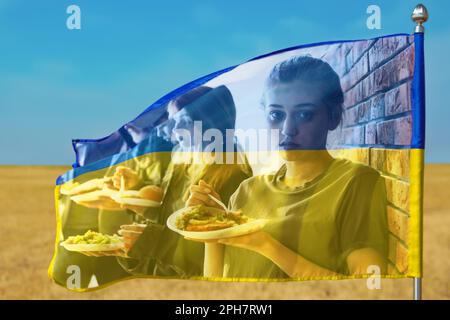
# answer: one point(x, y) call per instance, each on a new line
point(129, 176)
point(199, 195)
point(255, 241)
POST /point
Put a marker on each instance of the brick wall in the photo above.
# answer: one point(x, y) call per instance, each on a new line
point(376, 78)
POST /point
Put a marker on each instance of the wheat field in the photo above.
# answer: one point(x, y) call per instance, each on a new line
point(28, 232)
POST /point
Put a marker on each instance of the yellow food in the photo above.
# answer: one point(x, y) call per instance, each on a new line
point(201, 218)
point(153, 193)
point(92, 237)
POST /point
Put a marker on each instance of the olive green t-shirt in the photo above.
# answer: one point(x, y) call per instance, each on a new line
point(174, 255)
point(341, 210)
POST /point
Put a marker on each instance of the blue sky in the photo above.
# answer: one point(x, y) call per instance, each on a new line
point(57, 84)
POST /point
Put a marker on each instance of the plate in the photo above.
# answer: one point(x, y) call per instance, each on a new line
point(76, 188)
point(239, 230)
point(135, 201)
point(111, 199)
point(100, 199)
point(92, 247)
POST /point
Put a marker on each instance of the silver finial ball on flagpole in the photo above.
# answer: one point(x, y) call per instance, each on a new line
point(420, 16)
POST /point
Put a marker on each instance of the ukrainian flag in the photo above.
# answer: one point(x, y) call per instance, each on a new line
point(301, 164)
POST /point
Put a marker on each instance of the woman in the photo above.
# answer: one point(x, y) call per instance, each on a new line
point(327, 217)
point(158, 250)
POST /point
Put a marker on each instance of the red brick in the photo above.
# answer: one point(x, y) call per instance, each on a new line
point(358, 71)
point(395, 132)
point(364, 111)
point(397, 162)
point(399, 68)
point(360, 155)
point(371, 133)
point(386, 132)
point(357, 114)
point(335, 56)
point(398, 223)
point(397, 193)
point(377, 107)
point(392, 253)
point(366, 87)
point(349, 60)
point(349, 98)
point(385, 76)
point(401, 258)
point(350, 116)
point(403, 131)
point(398, 100)
point(353, 135)
point(359, 47)
point(345, 82)
point(385, 48)
point(356, 49)
point(405, 64)
point(398, 254)
point(353, 96)
point(378, 158)
point(391, 161)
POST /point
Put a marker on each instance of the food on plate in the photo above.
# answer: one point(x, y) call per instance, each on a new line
point(114, 193)
point(153, 193)
point(97, 199)
point(77, 188)
point(68, 187)
point(137, 200)
point(92, 237)
point(125, 193)
point(95, 244)
point(202, 218)
point(116, 200)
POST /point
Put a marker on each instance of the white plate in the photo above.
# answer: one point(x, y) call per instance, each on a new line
point(135, 201)
point(100, 199)
point(76, 188)
point(92, 247)
point(239, 230)
point(91, 196)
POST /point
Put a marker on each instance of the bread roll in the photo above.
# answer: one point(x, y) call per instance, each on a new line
point(153, 193)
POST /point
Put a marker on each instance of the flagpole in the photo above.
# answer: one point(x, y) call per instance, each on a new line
point(419, 16)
